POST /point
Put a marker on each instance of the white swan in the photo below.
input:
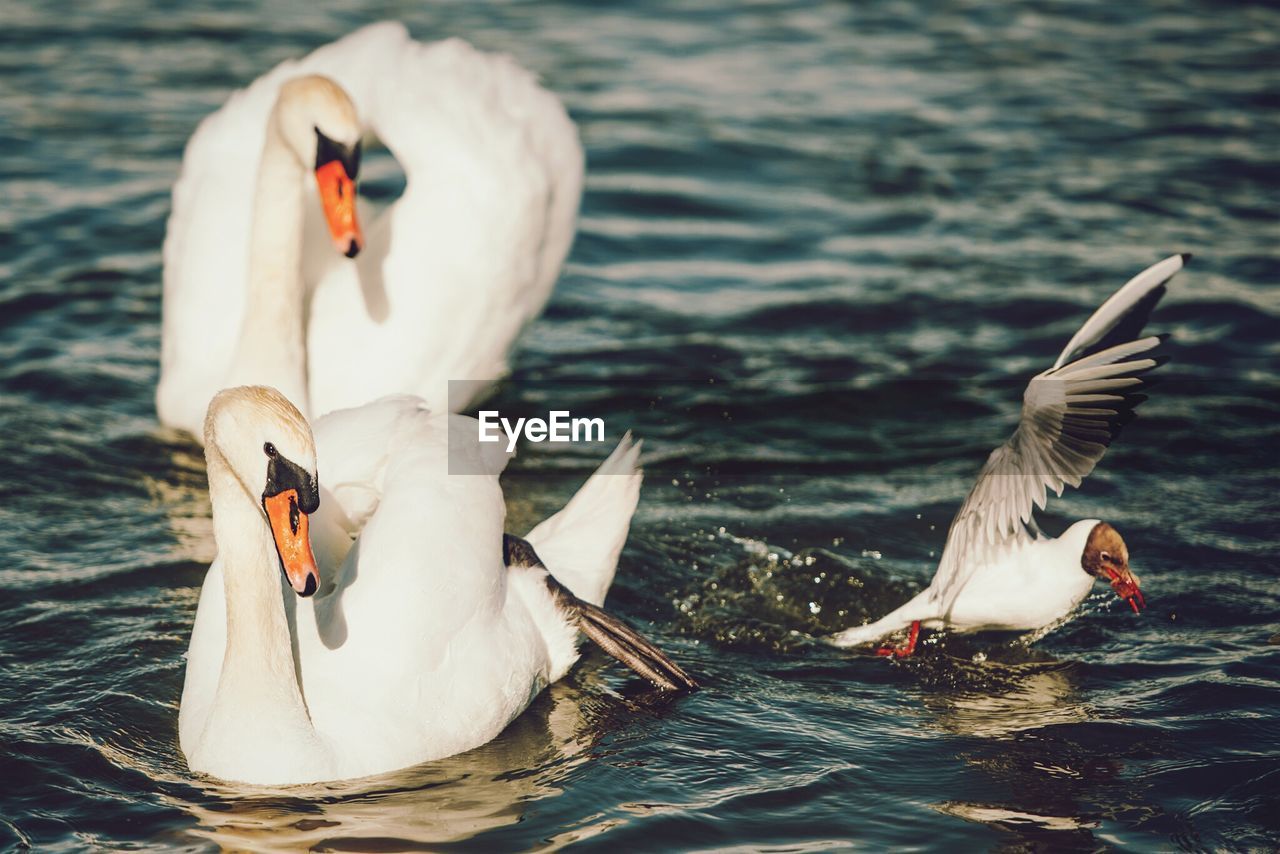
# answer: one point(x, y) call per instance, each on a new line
point(449, 274)
point(997, 570)
point(429, 630)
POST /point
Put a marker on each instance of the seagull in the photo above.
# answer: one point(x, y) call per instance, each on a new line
point(998, 570)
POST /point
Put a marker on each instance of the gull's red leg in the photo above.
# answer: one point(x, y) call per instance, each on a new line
point(906, 649)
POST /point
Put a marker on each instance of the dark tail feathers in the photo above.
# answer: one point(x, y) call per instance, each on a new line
point(612, 634)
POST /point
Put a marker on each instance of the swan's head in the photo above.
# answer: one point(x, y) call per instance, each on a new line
point(269, 447)
point(1107, 557)
point(318, 121)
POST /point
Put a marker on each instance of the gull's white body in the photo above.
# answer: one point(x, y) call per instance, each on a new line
point(1027, 584)
point(1023, 585)
point(450, 273)
point(420, 643)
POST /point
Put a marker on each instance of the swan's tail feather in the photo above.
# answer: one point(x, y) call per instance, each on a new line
point(611, 633)
point(618, 638)
point(584, 539)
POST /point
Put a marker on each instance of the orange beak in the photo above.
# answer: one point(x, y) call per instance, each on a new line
point(338, 197)
point(289, 527)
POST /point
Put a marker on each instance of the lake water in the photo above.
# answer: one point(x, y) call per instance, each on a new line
point(823, 246)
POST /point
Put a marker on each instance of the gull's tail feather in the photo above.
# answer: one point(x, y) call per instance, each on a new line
point(918, 609)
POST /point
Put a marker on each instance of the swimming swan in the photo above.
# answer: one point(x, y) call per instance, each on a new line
point(446, 277)
point(406, 626)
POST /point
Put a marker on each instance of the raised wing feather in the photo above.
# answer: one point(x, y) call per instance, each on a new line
point(1070, 415)
point(1122, 317)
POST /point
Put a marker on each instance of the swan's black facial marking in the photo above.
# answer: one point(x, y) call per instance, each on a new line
point(283, 474)
point(328, 151)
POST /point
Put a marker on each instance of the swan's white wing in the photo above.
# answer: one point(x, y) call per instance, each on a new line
point(581, 543)
point(358, 448)
point(426, 559)
point(1070, 415)
point(416, 652)
point(457, 266)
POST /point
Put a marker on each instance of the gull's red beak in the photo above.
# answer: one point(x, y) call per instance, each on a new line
point(293, 544)
point(1127, 587)
point(338, 198)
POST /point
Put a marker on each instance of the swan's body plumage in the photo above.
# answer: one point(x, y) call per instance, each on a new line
point(451, 271)
point(421, 643)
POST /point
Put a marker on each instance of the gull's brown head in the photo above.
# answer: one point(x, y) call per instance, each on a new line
point(1107, 557)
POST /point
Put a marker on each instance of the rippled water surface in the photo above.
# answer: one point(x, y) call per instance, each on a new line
point(794, 214)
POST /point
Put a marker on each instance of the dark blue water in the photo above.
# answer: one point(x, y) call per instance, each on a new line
point(794, 213)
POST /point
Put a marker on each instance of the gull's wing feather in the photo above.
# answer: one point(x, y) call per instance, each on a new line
point(1122, 317)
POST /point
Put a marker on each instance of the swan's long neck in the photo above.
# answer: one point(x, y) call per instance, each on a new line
point(258, 725)
point(272, 346)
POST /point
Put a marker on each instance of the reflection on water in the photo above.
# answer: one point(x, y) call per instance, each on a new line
point(447, 801)
point(180, 490)
point(1013, 819)
point(1052, 786)
point(1022, 700)
point(1029, 697)
point(450, 800)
